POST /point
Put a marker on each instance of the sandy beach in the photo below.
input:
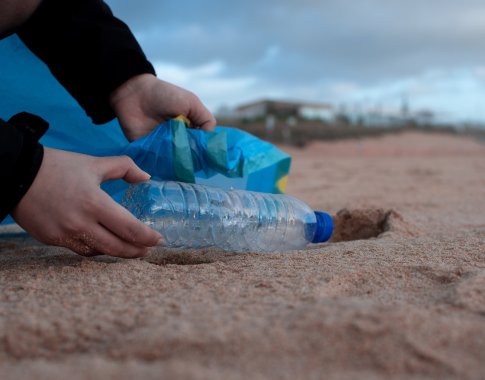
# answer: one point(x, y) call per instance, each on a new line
point(398, 294)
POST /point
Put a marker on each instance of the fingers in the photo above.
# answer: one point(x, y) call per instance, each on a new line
point(123, 224)
point(200, 116)
point(209, 125)
point(101, 241)
point(116, 219)
point(120, 167)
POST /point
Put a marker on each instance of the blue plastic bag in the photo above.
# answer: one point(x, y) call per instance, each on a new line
point(227, 158)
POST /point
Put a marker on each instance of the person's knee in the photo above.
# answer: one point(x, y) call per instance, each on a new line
point(13, 13)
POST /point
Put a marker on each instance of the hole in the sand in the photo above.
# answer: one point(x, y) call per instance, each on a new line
point(177, 260)
point(166, 256)
point(361, 224)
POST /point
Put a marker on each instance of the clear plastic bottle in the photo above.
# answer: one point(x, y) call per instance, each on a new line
point(198, 216)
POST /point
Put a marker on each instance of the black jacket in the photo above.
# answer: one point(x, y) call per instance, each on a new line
point(91, 53)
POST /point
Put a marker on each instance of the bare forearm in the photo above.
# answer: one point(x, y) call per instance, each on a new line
point(14, 13)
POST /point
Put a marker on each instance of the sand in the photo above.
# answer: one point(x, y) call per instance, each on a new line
point(398, 294)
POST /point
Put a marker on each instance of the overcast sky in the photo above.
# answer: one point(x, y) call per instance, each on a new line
point(365, 53)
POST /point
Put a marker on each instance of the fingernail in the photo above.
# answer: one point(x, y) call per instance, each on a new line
point(160, 241)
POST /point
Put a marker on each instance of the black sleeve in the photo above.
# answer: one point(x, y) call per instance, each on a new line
point(88, 50)
point(20, 158)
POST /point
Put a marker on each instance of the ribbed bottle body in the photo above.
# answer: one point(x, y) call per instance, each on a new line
point(197, 216)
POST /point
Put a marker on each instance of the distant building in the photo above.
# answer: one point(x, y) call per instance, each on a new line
point(279, 109)
point(292, 111)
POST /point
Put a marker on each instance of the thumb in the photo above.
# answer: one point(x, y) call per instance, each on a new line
point(121, 167)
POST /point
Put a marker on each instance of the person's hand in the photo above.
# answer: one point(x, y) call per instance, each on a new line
point(65, 206)
point(144, 101)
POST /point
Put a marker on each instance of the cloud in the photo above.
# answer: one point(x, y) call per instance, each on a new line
point(358, 40)
point(205, 80)
point(326, 49)
point(343, 90)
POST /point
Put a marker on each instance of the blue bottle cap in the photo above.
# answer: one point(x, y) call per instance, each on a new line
point(324, 227)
